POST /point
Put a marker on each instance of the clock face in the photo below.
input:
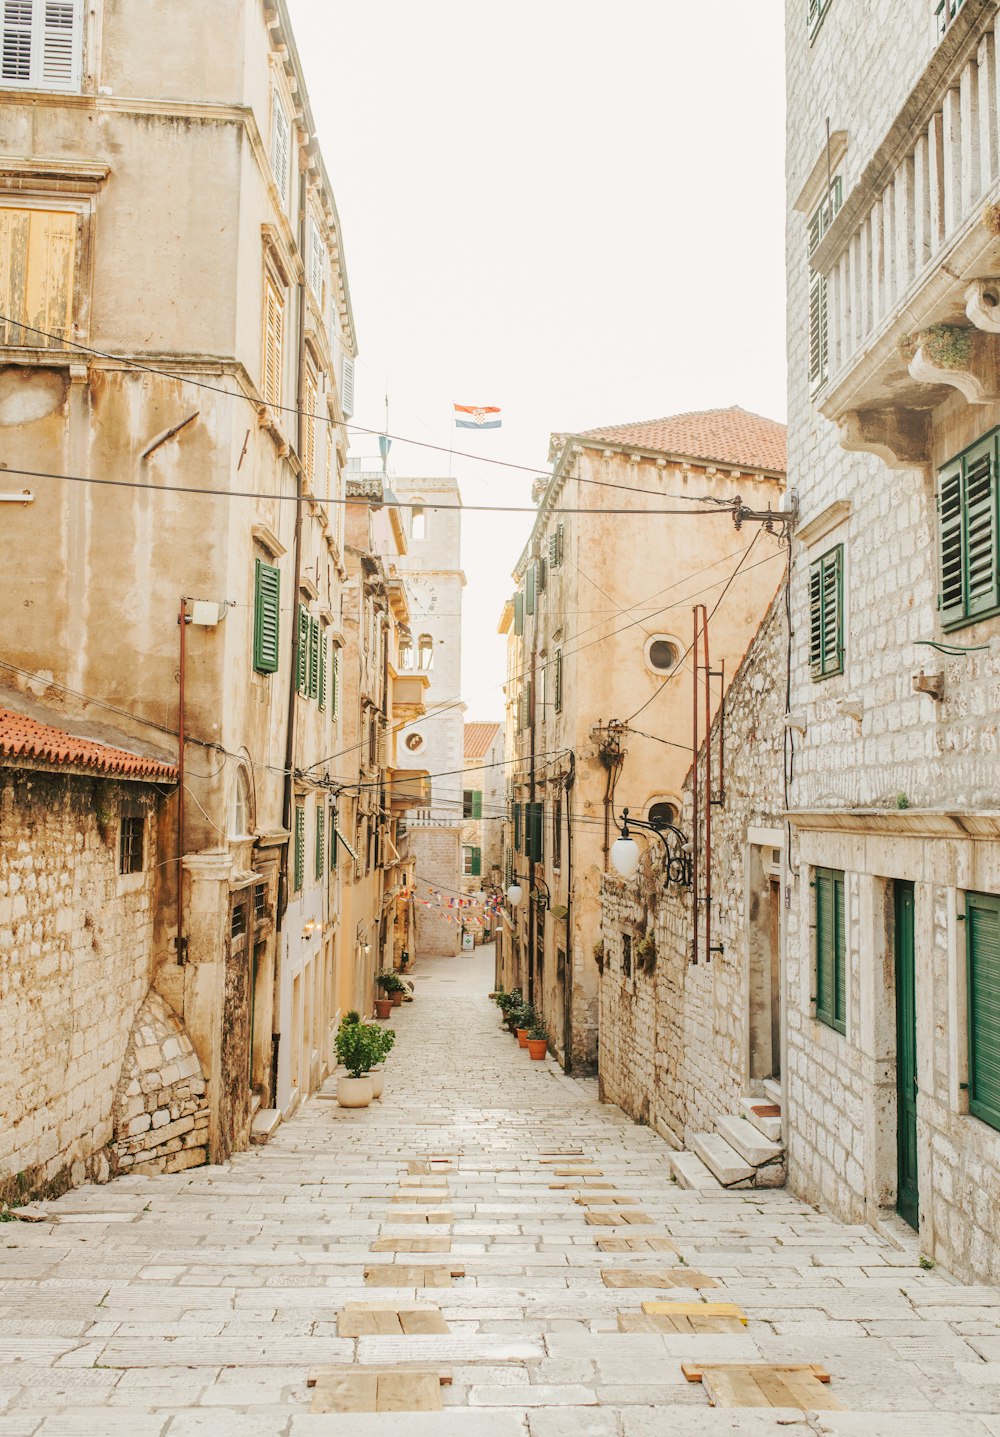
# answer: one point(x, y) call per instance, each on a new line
point(424, 595)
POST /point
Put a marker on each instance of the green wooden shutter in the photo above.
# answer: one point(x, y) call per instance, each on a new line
point(951, 602)
point(324, 644)
point(519, 612)
point(553, 551)
point(320, 856)
point(302, 656)
point(826, 609)
point(508, 868)
point(266, 617)
point(530, 580)
point(982, 936)
point(517, 827)
point(333, 840)
point(477, 863)
point(981, 529)
point(543, 575)
point(558, 682)
point(477, 803)
point(335, 684)
point(300, 847)
point(818, 330)
point(535, 846)
point(560, 542)
point(313, 691)
point(831, 968)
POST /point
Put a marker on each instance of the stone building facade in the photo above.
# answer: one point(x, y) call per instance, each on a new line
point(894, 410)
point(79, 847)
point(682, 1043)
point(203, 345)
point(483, 811)
point(602, 623)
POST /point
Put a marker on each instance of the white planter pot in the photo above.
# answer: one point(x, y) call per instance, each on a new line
point(377, 1076)
point(354, 1092)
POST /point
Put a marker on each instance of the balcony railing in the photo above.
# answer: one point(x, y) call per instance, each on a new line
point(945, 14)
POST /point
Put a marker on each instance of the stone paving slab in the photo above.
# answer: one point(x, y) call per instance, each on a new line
point(197, 1304)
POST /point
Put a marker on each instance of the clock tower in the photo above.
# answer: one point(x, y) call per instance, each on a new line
point(432, 567)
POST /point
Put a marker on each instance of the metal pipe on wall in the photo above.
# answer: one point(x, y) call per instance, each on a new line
point(694, 787)
point(181, 943)
point(708, 789)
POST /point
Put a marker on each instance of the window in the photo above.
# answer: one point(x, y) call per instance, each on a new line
point(272, 363)
point(819, 337)
point(557, 831)
point(472, 803)
point(281, 145)
point(425, 653)
point(517, 827)
point(530, 579)
point(42, 44)
point(967, 519)
point(626, 955)
point(266, 617)
point(324, 646)
point(405, 652)
point(945, 14)
point(982, 938)
point(238, 921)
point(557, 696)
point(418, 522)
point(662, 654)
point(826, 613)
point(519, 612)
point(309, 404)
point(815, 11)
point(259, 902)
point(37, 275)
point(314, 652)
point(299, 867)
point(556, 545)
point(317, 259)
point(319, 858)
point(831, 979)
point(131, 842)
point(302, 653)
point(534, 846)
point(239, 805)
point(661, 814)
point(472, 862)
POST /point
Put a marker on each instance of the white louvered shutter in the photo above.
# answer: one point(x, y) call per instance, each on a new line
point(347, 387)
point(281, 137)
point(274, 321)
point(42, 44)
point(317, 260)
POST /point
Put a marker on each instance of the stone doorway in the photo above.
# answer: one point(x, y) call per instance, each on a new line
point(764, 907)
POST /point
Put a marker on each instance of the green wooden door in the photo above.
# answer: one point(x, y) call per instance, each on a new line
point(907, 1203)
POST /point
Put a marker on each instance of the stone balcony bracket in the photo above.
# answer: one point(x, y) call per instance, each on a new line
point(966, 359)
point(982, 304)
point(899, 437)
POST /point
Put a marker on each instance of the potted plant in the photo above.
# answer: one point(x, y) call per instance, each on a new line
point(538, 1041)
point(386, 980)
point(384, 1040)
point(525, 1018)
point(357, 1049)
point(397, 991)
point(507, 1003)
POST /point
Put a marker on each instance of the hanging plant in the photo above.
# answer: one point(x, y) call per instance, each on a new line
point(991, 219)
point(947, 346)
point(645, 950)
point(599, 955)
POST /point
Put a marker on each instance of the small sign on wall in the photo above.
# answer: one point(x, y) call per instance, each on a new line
point(468, 942)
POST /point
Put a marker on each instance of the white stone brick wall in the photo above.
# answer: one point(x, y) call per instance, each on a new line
point(76, 951)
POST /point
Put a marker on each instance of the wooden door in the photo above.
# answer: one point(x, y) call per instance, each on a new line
point(907, 1197)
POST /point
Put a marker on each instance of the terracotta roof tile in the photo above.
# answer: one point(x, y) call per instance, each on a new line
point(22, 737)
point(726, 436)
point(479, 738)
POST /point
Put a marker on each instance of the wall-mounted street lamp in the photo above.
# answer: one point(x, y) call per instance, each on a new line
point(541, 894)
point(514, 894)
point(625, 852)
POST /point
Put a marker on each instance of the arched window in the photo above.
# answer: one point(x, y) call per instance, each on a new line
point(425, 653)
point(418, 522)
point(405, 652)
point(663, 653)
point(239, 806)
point(662, 813)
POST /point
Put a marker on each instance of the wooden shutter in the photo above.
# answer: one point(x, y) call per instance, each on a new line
point(477, 803)
point(300, 846)
point(519, 612)
point(335, 684)
point(317, 259)
point(320, 855)
point(266, 622)
point(818, 331)
point(477, 862)
point(281, 143)
point(558, 682)
point(951, 593)
point(313, 689)
point(308, 455)
point(517, 827)
point(302, 656)
point(560, 539)
point(324, 644)
point(826, 628)
point(543, 574)
point(982, 936)
point(530, 580)
point(42, 44)
point(536, 839)
point(347, 386)
point(274, 330)
point(831, 973)
point(37, 276)
point(981, 528)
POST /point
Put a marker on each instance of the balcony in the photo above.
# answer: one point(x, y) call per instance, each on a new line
point(410, 788)
point(912, 259)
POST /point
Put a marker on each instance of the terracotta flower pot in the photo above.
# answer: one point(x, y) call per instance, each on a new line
point(355, 1092)
point(397, 1000)
point(537, 1047)
point(522, 1037)
point(377, 1076)
point(383, 1007)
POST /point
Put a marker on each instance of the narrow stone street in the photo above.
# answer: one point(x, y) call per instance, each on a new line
point(203, 1303)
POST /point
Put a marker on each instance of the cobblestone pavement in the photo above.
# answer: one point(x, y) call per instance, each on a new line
point(200, 1303)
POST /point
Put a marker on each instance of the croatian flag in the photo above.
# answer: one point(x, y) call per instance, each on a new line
point(477, 416)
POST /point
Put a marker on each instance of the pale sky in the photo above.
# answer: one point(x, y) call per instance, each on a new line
point(569, 209)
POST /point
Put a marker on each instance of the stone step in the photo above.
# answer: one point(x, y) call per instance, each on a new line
point(265, 1124)
point(692, 1174)
point(770, 1127)
point(772, 1087)
point(722, 1160)
point(751, 1145)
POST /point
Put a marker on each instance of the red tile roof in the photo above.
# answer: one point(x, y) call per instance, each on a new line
point(726, 436)
point(22, 737)
point(479, 738)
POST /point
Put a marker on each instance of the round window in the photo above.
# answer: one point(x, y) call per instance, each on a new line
point(662, 654)
point(415, 742)
point(662, 814)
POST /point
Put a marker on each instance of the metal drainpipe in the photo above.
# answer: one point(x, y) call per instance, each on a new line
point(181, 946)
point(531, 793)
point(568, 990)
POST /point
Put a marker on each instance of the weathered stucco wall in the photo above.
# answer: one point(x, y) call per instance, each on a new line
point(675, 1038)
